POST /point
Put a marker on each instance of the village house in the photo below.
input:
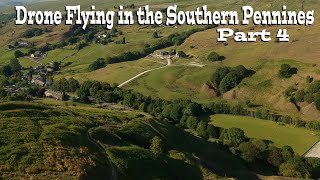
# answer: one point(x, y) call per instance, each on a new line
point(164, 53)
point(38, 82)
point(23, 43)
point(102, 36)
point(53, 94)
point(37, 55)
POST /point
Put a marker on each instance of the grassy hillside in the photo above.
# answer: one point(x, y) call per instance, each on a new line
point(59, 141)
point(301, 140)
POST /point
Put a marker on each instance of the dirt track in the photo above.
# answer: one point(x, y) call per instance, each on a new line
point(135, 77)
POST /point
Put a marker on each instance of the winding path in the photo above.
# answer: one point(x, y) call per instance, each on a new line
point(144, 72)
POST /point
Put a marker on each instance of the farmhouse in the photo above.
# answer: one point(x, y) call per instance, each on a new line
point(102, 36)
point(164, 53)
point(38, 81)
point(53, 94)
point(23, 43)
point(37, 55)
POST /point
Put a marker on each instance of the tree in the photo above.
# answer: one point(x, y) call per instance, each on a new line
point(299, 96)
point(123, 40)
point(295, 167)
point(6, 71)
point(157, 147)
point(213, 56)
point(262, 113)
point(202, 129)
point(172, 111)
point(284, 71)
point(73, 85)
point(275, 156)
point(56, 66)
point(317, 102)
point(252, 150)
point(183, 121)
point(228, 82)
point(155, 35)
point(233, 136)
point(218, 75)
point(287, 153)
point(192, 122)
point(15, 65)
point(97, 64)
point(182, 54)
point(18, 54)
point(212, 131)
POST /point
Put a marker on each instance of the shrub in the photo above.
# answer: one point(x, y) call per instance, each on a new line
point(155, 35)
point(18, 54)
point(156, 146)
point(309, 97)
point(182, 54)
point(233, 136)
point(286, 71)
point(98, 64)
point(299, 96)
point(32, 32)
point(213, 56)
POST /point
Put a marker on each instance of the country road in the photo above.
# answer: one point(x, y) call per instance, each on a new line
point(314, 151)
point(144, 72)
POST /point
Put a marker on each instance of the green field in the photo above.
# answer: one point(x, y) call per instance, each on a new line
point(299, 139)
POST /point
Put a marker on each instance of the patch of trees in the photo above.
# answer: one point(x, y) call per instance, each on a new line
point(213, 56)
point(29, 33)
point(182, 54)
point(226, 78)
point(283, 160)
point(18, 54)
point(14, 67)
point(286, 71)
point(97, 64)
point(64, 85)
point(310, 95)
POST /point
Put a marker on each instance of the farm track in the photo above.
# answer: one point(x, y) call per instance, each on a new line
point(314, 151)
point(144, 72)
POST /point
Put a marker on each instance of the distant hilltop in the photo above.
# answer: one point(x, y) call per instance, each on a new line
point(4, 3)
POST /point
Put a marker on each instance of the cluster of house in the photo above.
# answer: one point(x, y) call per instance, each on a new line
point(164, 55)
point(53, 94)
point(37, 55)
point(46, 71)
point(102, 36)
